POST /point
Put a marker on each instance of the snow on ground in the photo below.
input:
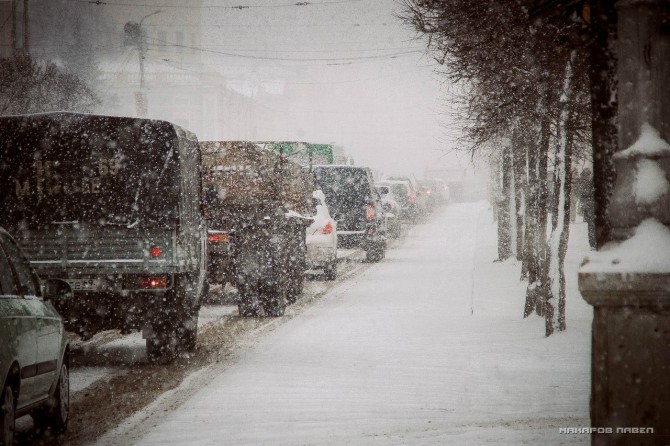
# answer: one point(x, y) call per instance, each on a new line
point(85, 376)
point(427, 347)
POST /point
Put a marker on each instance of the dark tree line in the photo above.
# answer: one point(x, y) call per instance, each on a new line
point(527, 72)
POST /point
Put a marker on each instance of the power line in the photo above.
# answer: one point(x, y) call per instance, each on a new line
point(175, 64)
point(287, 59)
point(238, 7)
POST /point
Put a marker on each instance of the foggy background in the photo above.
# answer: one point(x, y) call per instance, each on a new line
point(346, 72)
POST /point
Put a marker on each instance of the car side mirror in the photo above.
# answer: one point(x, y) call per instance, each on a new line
point(56, 290)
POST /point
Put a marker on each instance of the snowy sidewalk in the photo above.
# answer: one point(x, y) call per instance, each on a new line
point(427, 347)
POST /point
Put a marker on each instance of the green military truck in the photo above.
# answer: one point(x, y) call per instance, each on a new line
point(257, 203)
point(111, 205)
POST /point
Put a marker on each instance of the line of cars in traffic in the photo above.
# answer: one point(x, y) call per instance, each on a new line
point(127, 222)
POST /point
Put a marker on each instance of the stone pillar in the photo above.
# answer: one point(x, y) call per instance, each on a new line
point(631, 326)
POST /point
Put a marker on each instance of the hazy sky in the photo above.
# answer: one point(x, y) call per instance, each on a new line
point(367, 83)
point(347, 72)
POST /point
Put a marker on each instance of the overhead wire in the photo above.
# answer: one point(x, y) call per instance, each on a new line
point(287, 59)
point(175, 64)
point(238, 7)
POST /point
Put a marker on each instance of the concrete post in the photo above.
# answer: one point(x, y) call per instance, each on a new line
point(631, 327)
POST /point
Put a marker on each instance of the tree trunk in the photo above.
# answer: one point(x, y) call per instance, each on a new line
point(536, 214)
point(558, 241)
point(541, 234)
point(604, 108)
point(527, 213)
point(504, 220)
point(520, 181)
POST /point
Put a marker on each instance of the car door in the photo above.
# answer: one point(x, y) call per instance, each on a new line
point(45, 320)
point(19, 330)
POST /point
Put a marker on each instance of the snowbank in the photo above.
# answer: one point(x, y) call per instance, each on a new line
point(648, 251)
point(649, 144)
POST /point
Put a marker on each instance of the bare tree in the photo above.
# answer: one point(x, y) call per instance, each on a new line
point(27, 86)
point(513, 66)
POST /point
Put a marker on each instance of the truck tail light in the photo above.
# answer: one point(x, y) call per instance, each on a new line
point(328, 229)
point(370, 212)
point(153, 282)
point(218, 238)
point(155, 251)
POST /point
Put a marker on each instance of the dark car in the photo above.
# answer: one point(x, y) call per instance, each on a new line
point(356, 206)
point(34, 347)
point(417, 197)
point(405, 197)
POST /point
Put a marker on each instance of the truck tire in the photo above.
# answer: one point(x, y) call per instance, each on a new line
point(274, 298)
point(188, 332)
point(375, 253)
point(247, 301)
point(330, 271)
point(162, 346)
point(295, 287)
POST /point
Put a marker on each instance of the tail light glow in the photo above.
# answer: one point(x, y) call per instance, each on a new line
point(155, 251)
point(217, 238)
point(328, 229)
point(370, 212)
point(152, 283)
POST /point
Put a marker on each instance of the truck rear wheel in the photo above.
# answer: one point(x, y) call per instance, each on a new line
point(188, 332)
point(161, 349)
point(274, 300)
point(247, 302)
point(330, 271)
point(375, 253)
point(162, 346)
point(295, 287)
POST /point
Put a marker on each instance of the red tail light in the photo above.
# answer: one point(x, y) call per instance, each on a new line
point(328, 229)
point(155, 251)
point(411, 197)
point(217, 238)
point(370, 212)
point(152, 283)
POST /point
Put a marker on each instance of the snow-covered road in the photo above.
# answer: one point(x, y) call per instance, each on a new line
point(427, 347)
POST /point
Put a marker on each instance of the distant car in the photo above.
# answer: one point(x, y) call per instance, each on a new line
point(392, 211)
point(417, 197)
point(436, 191)
point(34, 350)
point(322, 239)
point(405, 197)
point(356, 207)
